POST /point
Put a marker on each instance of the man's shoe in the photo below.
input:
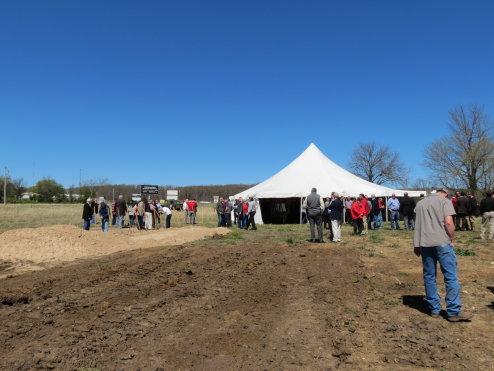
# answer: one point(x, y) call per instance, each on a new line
point(312, 240)
point(460, 317)
point(316, 240)
point(435, 315)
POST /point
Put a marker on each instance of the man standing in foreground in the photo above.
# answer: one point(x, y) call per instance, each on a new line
point(433, 240)
point(315, 207)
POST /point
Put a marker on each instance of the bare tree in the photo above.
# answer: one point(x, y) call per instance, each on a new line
point(464, 159)
point(93, 183)
point(377, 164)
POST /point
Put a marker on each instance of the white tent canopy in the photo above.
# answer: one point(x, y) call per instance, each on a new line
point(313, 169)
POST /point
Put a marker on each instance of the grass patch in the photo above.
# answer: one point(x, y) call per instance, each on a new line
point(235, 235)
point(228, 242)
point(390, 302)
point(464, 252)
point(375, 238)
point(472, 240)
point(289, 240)
point(394, 246)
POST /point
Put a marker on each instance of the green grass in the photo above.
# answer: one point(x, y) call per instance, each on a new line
point(390, 302)
point(464, 252)
point(376, 238)
point(235, 235)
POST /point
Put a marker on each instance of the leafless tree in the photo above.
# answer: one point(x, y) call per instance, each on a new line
point(465, 158)
point(377, 164)
point(93, 183)
point(423, 184)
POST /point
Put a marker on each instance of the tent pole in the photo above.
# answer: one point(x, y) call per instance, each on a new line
point(387, 218)
point(301, 210)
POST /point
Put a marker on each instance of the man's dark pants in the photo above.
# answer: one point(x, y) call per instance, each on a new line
point(251, 220)
point(317, 220)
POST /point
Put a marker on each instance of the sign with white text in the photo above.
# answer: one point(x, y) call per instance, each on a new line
point(149, 189)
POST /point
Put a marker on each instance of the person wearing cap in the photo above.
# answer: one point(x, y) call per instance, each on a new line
point(87, 214)
point(104, 213)
point(433, 241)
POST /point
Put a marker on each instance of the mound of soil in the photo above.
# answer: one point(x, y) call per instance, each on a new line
point(35, 248)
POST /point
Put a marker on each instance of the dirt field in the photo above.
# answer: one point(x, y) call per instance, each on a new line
point(248, 300)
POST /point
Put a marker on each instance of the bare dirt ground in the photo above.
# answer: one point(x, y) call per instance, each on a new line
point(247, 300)
point(28, 249)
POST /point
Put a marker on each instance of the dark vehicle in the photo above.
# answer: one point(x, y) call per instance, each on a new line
point(176, 205)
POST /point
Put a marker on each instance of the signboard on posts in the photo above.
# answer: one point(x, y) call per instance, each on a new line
point(149, 189)
point(171, 194)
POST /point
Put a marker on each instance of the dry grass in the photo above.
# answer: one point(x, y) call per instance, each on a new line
point(40, 215)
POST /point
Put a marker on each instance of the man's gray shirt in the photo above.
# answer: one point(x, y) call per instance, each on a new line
point(429, 223)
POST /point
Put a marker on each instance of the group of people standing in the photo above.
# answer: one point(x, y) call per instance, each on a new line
point(244, 212)
point(316, 207)
point(367, 213)
point(143, 214)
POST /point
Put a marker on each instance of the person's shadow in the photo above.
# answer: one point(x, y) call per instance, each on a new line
point(415, 302)
point(491, 288)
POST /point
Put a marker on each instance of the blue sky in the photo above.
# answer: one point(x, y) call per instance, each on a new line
point(217, 92)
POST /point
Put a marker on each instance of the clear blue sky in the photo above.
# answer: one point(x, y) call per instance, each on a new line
point(217, 92)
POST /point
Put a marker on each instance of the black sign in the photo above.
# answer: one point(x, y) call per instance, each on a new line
point(149, 189)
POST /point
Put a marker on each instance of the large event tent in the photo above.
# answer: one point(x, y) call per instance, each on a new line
point(280, 197)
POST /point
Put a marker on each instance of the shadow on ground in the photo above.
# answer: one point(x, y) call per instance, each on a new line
point(415, 302)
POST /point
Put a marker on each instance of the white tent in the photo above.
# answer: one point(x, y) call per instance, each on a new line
point(313, 169)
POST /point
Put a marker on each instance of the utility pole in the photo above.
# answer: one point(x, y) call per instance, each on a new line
point(5, 173)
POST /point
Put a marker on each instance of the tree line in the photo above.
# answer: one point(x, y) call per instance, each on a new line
point(48, 190)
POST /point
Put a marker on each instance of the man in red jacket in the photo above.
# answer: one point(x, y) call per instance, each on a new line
point(191, 211)
point(356, 213)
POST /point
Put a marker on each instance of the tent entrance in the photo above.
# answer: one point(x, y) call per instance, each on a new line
point(280, 210)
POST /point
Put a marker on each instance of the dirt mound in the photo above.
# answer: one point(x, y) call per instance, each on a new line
point(35, 248)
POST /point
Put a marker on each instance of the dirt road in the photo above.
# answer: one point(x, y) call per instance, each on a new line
point(241, 302)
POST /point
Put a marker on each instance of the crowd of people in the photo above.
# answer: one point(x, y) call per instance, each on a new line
point(141, 214)
point(368, 213)
point(244, 212)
